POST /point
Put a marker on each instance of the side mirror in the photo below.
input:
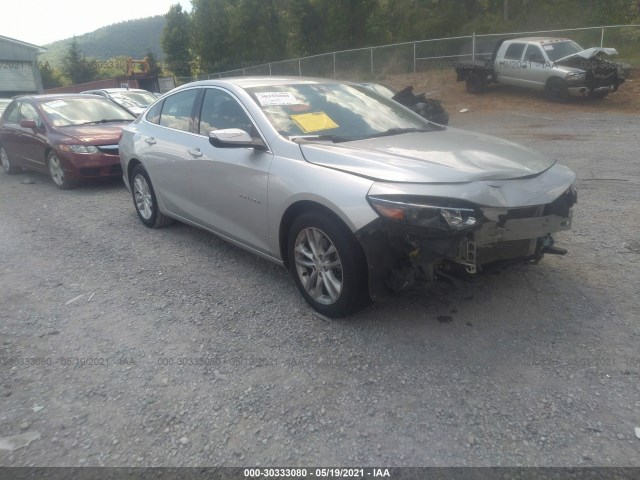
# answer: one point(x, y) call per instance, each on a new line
point(234, 138)
point(28, 124)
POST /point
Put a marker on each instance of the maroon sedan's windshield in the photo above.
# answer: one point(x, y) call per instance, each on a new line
point(81, 111)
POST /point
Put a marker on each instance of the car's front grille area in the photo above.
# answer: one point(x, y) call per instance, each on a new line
point(109, 149)
point(115, 169)
point(505, 250)
point(90, 172)
point(518, 213)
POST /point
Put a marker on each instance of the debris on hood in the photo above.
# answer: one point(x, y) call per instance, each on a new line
point(428, 108)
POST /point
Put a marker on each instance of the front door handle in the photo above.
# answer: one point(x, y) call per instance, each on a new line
point(150, 140)
point(195, 152)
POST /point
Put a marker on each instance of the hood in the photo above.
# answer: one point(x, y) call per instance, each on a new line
point(105, 134)
point(447, 156)
point(589, 53)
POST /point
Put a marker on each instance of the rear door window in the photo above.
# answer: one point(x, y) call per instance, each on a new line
point(514, 51)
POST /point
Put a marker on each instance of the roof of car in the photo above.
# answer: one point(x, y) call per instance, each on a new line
point(55, 96)
point(249, 82)
point(542, 40)
point(116, 90)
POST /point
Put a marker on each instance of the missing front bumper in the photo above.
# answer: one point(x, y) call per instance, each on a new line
point(402, 258)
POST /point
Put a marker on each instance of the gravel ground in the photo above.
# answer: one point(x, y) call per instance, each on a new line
point(203, 354)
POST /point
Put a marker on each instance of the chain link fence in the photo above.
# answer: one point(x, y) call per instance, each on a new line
point(374, 63)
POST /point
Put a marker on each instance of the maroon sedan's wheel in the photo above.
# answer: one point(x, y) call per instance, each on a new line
point(57, 174)
point(7, 166)
point(557, 90)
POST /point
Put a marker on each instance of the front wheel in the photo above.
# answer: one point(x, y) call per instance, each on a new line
point(7, 166)
point(61, 180)
point(557, 90)
point(145, 201)
point(327, 265)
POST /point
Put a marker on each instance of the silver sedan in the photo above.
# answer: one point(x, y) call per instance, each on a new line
point(357, 195)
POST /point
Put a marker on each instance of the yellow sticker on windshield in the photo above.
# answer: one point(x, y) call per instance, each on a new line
point(314, 122)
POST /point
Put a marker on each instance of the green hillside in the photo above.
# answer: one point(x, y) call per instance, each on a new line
point(132, 38)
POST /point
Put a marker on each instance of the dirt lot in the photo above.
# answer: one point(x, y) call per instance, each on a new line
point(122, 345)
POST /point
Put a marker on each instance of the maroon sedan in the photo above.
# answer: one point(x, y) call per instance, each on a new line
point(70, 137)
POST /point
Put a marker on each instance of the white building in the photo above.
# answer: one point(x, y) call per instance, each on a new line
point(19, 67)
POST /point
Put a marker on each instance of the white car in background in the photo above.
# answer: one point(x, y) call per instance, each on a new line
point(135, 100)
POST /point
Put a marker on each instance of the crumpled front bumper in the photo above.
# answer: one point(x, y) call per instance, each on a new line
point(583, 90)
point(401, 257)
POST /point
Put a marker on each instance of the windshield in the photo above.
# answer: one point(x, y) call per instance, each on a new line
point(82, 111)
point(559, 50)
point(133, 98)
point(336, 110)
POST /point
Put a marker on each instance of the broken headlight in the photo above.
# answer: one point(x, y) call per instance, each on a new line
point(576, 77)
point(428, 212)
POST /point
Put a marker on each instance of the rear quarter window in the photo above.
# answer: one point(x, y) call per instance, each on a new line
point(11, 113)
point(153, 115)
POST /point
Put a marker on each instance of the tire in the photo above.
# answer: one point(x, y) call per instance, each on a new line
point(7, 166)
point(556, 90)
point(327, 265)
point(476, 82)
point(145, 201)
point(58, 177)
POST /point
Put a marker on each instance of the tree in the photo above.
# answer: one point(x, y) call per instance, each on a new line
point(77, 67)
point(176, 42)
point(154, 67)
point(211, 30)
point(50, 77)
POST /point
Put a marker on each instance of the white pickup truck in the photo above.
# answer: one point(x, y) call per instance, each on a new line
point(558, 66)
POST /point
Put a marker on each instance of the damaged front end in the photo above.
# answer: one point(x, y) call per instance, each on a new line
point(418, 239)
point(599, 76)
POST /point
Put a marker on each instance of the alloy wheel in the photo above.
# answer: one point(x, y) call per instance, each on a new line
point(318, 265)
point(142, 195)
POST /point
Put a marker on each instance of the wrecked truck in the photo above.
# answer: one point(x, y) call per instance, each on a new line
point(558, 66)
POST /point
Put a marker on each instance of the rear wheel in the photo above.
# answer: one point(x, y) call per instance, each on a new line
point(145, 201)
point(7, 166)
point(327, 265)
point(557, 90)
point(61, 180)
point(476, 82)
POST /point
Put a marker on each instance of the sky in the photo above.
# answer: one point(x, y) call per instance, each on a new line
point(45, 21)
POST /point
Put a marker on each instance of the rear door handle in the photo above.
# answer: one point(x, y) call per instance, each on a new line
point(150, 140)
point(195, 152)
